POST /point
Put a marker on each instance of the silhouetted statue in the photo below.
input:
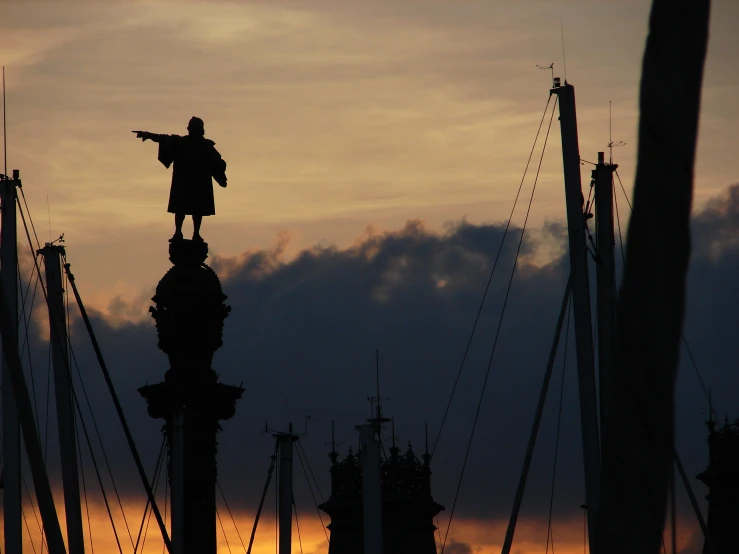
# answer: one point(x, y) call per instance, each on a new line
point(196, 163)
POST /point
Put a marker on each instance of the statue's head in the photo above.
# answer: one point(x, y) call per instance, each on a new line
point(196, 127)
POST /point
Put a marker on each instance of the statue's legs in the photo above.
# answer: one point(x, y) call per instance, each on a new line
point(179, 219)
point(196, 221)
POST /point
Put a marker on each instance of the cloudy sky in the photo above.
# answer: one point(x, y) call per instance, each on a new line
point(373, 150)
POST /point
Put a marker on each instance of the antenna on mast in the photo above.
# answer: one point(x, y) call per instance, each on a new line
point(564, 55)
point(611, 144)
point(550, 67)
point(377, 375)
point(5, 131)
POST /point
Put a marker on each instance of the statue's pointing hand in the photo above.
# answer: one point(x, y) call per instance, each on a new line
point(143, 135)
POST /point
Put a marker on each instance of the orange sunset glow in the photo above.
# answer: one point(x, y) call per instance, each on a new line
point(351, 129)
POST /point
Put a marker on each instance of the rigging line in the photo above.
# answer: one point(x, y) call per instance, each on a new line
point(163, 468)
point(550, 531)
point(166, 497)
point(497, 332)
point(27, 321)
point(30, 501)
point(261, 501)
point(48, 399)
point(20, 209)
point(673, 517)
point(534, 433)
point(438, 533)
point(84, 488)
point(28, 288)
point(624, 190)
point(5, 129)
point(490, 279)
point(119, 409)
point(297, 524)
point(307, 463)
point(618, 220)
point(148, 519)
point(224, 530)
point(34, 256)
point(682, 334)
point(30, 219)
point(300, 459)
point(26, 324)
point(100, 441)
point(97, 470)
point(155, 480)
point(277, 505)
point(28, 529)
point(233, 520)
point(698, 374)
point(694, 503)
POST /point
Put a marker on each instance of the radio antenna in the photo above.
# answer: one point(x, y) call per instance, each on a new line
point(5, 130)
point(564, 55)
point(550, 67)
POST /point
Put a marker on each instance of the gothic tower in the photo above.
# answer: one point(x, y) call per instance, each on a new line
point(722, 480)
point(408, 509)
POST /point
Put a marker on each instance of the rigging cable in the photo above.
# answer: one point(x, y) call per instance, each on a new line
point(682, 333)
point(618, 220)
point(97, 470)
point(297, 524)
point(30, 537)
point(550, 532)
point(233, 520)
point(30, 219)
point(119, 409)
point(33, 507)
point(26, 325)
point(497, 333)
point(694, 503)
point(320, 518)
point(84, 488)
point(223, 529)
point(487, 286)
point(100, 441)
point(261, 500)
point(155, 480)
point(277, 506)
point(310, 469)
point(166, 497)
point(157, 476)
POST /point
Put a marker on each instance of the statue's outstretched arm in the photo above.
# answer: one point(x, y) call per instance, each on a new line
point(144, 135)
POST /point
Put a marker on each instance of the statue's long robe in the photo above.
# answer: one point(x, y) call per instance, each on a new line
point(196, 164)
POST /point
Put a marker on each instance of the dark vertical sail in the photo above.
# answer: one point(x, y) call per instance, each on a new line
point(638, 397)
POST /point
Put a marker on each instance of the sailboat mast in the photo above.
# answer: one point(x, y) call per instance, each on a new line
point(285, 487)
point(606, 274)
point(580, 297)
point(369, 459)
point(12, 499)
point(52, 254)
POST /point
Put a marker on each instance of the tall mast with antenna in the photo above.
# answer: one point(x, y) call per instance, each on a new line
point(580, 298)
point(5, 132)
point(53, 255)
point(12, 499)
point(605, 269)
point(377, 377)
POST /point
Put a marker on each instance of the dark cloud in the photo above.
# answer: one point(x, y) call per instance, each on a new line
point(303, 333)
point(455, 547)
